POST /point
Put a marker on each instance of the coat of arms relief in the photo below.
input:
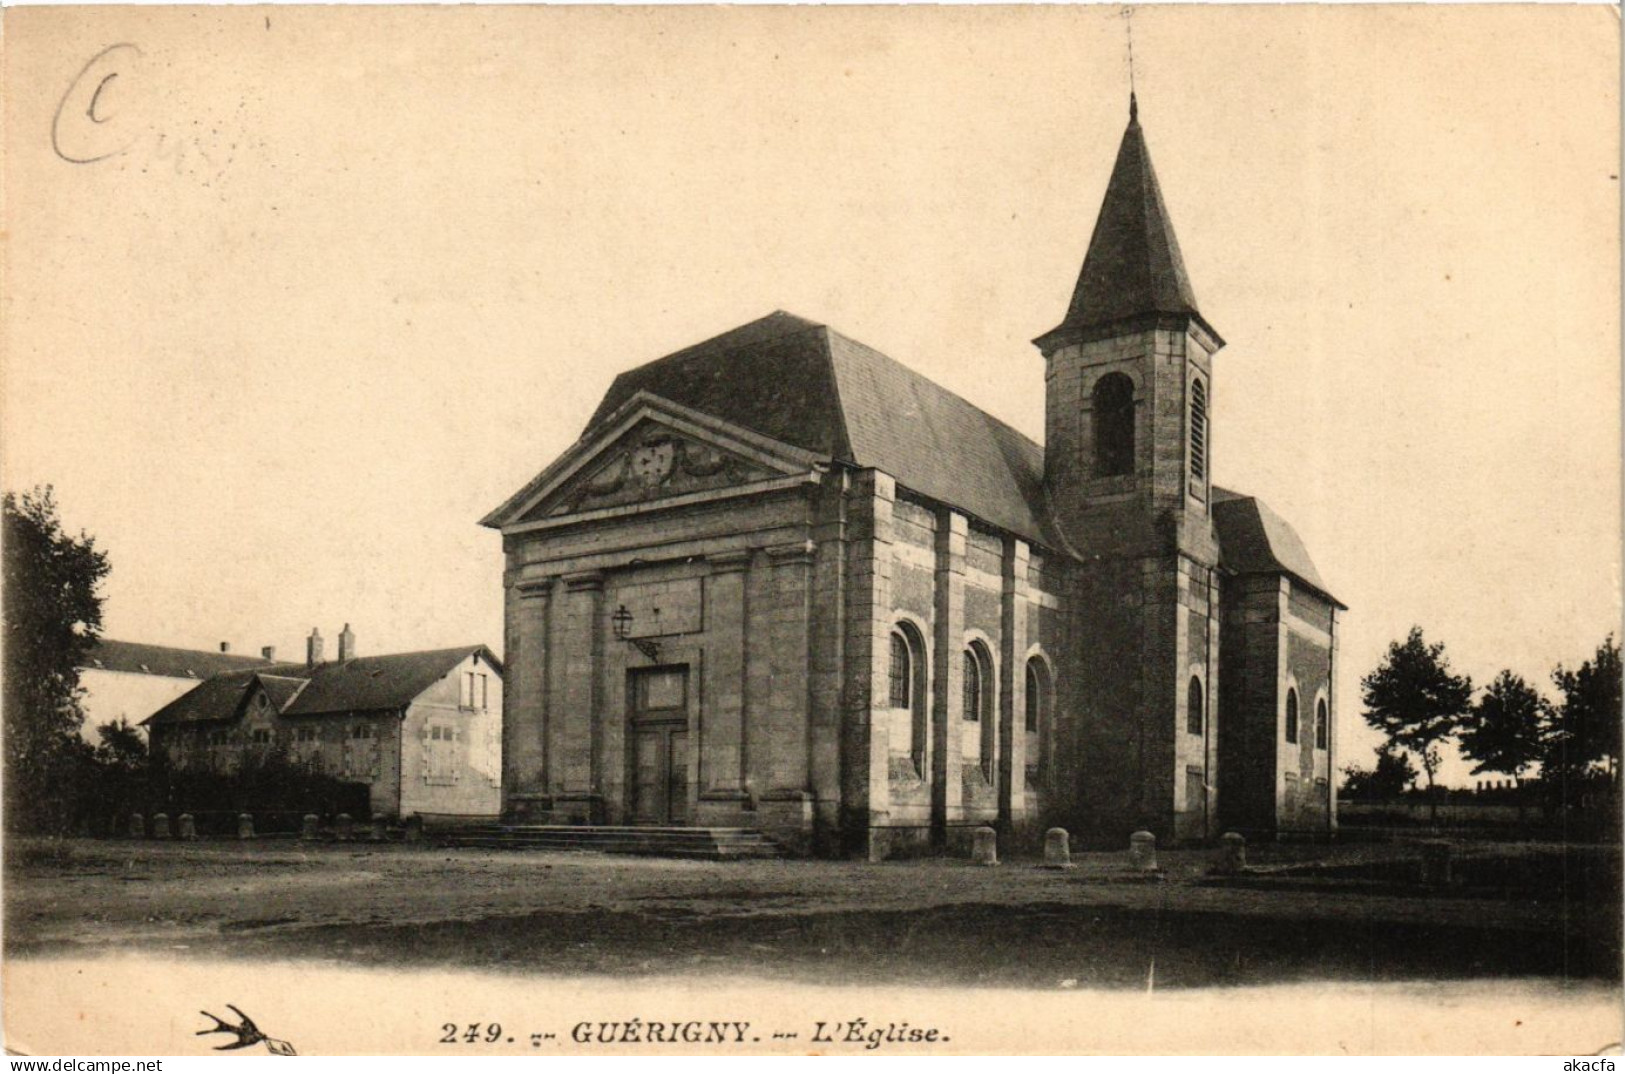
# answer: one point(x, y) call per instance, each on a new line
point(655, 463)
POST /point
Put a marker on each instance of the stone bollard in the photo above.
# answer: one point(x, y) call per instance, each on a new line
point(345, 826)
point(379, 833)
point(1436, 862)
point(138, 826)
point(160, 825)
point(245, 826)
point(186, 827)
point(984, 847)
point(1142, 852)
point(308, 830)
point(1232, 854)
point(877, 847)
point(1057, 849)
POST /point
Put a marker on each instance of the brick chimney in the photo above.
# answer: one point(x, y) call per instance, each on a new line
point(313, 648)
point(346, 643)
point(225, 646)
point(269, 653)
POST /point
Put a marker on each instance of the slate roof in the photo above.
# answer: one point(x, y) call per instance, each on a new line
point(772, 376)
point(1133, 267)
point(219, 698)
point(379, 682)
point(364, 684)
point(280, 688)
point(806, 384)
point(162, 660)
point(1255, 540)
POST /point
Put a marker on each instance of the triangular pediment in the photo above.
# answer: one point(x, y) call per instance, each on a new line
point(652, 450)
point(651, 461)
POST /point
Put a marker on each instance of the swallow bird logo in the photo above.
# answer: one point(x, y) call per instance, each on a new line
point(247, 1033)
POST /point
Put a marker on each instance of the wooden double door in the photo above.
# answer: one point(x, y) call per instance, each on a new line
point(659, 718)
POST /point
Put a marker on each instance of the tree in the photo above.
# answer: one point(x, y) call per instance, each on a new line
point(121, 746)
point(1393, 776)
point(52, 615)
point(1506, 731)
point(120, 775)
point(1586, 725)
point(1581, 764)
point(1413, 698)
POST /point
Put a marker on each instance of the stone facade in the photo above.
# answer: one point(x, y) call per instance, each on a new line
point(1148, 585)
point(777, 607)
point(783, 582)
point(1280, 647)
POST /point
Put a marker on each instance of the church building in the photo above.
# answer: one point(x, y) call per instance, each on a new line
point(787, 583)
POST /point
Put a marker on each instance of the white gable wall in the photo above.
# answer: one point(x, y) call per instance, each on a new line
point(132, 696)
point(451, 745)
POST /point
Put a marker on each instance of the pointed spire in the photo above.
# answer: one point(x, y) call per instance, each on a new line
point(1133, 267)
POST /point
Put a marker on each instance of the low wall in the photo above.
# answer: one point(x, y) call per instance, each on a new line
point(1418, 811)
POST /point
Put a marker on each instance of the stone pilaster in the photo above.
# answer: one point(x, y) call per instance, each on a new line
point(1162, 630)
point(1286, 757)
point(865, 788)
point(1211, 727)
point(1331, 728)
point(1012, 781)
point(575, 711)
point(515, 777)
point(827, 657)
point(722, 716)
point(524, 695)
point(787, 704)
point(755, 738)
point(947, 692)
point(781, 757)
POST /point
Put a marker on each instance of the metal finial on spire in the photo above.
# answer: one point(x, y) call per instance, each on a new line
point(1128, 30)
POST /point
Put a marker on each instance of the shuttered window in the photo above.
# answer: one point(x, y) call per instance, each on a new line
point(1198, 436)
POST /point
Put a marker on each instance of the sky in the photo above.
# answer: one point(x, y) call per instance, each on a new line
point(293, 297)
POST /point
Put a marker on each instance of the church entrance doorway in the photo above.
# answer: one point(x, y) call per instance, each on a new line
point(659, 701)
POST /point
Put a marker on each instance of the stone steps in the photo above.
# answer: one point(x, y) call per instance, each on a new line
point(710, 844)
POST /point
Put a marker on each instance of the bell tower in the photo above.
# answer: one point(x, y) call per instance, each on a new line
point(1127, 468)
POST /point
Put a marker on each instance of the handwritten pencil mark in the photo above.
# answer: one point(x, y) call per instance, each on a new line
point(95, 78)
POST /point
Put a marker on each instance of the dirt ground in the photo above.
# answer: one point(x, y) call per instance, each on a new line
point(1343, 913)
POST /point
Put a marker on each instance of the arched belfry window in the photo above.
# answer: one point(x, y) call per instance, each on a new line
point(1322, 725)
point(1292, 716)
point(1195, 698)
point(1114, 425)
point(1198, 435)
